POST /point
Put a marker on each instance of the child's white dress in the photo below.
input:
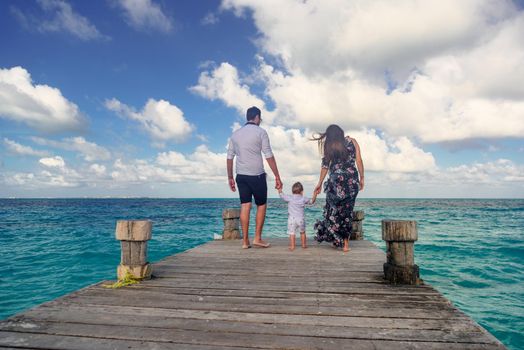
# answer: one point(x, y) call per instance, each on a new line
point(295, 209)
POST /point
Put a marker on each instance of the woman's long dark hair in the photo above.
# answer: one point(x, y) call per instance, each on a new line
point(331, 144)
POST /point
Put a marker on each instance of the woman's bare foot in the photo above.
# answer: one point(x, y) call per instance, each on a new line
point(346, 245)
point(291, 249)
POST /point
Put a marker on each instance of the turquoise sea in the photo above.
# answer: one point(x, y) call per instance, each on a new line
point(471, 250)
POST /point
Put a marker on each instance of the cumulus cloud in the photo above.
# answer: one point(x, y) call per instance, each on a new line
point(53, 162)
point(162, 120)
point(59, 16)
point(18, 149)
point(40, 106)
point(145, 15)
point(385, 66)
point(325, 37)
point(223, 83)
point(89, 150)
point(97, 169)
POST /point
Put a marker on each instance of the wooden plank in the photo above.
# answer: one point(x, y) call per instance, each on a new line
point(119, 330)
point(158, 295)
point(108, 311)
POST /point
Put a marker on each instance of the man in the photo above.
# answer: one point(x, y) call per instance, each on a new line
point(247, 144)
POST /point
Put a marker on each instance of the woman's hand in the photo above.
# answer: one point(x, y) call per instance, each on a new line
point(361, 184)
point(317, 189)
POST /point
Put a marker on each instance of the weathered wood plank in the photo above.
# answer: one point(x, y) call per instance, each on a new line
point(108, 311)
point(130, 332)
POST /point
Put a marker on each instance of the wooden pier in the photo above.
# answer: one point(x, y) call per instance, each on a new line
point(218, 296)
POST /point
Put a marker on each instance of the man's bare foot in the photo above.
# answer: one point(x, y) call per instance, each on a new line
point(261, 244)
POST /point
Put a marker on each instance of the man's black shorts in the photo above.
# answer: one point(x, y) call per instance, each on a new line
point(252, 186)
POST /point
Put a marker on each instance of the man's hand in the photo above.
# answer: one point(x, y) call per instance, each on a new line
point(232, 184)
point(278, 184)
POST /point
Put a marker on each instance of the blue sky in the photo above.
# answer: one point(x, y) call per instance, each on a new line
point(138, 98)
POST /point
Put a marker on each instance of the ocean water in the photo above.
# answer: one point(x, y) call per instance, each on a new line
point(470, 250)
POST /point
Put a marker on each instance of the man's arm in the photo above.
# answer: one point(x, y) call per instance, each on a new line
point(230, 156)
point(230, 178)
point(274, 168)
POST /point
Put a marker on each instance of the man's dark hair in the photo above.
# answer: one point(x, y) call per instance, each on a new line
point(252, 113)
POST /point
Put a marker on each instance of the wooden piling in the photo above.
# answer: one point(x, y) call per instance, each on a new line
point(231, 217)
point(357, 232)
point(133, 236)
point(400, 237)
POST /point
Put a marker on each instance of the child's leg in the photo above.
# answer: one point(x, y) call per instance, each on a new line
point(303, 239)
point(292, 241)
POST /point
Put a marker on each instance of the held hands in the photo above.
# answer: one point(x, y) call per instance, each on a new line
point(232, 184)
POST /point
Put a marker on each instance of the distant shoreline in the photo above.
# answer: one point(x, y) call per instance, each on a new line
point(224, 198)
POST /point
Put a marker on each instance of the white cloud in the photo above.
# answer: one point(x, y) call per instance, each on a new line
point(162, 120)
point(145, 15)
point(40, 106)
point(171, 167)
point(209, 19)
point(223, 83)
point(22, 150)
point(53, 162)
point(63, 19)
point(383, 65)
point(99, 170)
point(324, 37)
point(89, 150)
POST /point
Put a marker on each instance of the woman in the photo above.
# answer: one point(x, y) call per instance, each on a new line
point(340, 154)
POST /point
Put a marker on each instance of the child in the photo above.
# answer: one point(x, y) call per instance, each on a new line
point(295, 207)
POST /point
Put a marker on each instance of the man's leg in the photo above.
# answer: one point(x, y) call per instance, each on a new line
point(245, 211)
point(261, 217)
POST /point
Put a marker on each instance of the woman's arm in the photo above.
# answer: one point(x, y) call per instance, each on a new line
point(360, 164)
point(318, 188)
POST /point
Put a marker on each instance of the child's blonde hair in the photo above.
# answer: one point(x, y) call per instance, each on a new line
point(297, 188)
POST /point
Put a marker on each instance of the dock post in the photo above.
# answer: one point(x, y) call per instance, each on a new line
point(400, 237)
point(357, 233)
point(133, 236)
point(231, 217)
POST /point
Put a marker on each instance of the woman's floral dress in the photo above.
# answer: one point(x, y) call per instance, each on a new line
point(341, 190)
